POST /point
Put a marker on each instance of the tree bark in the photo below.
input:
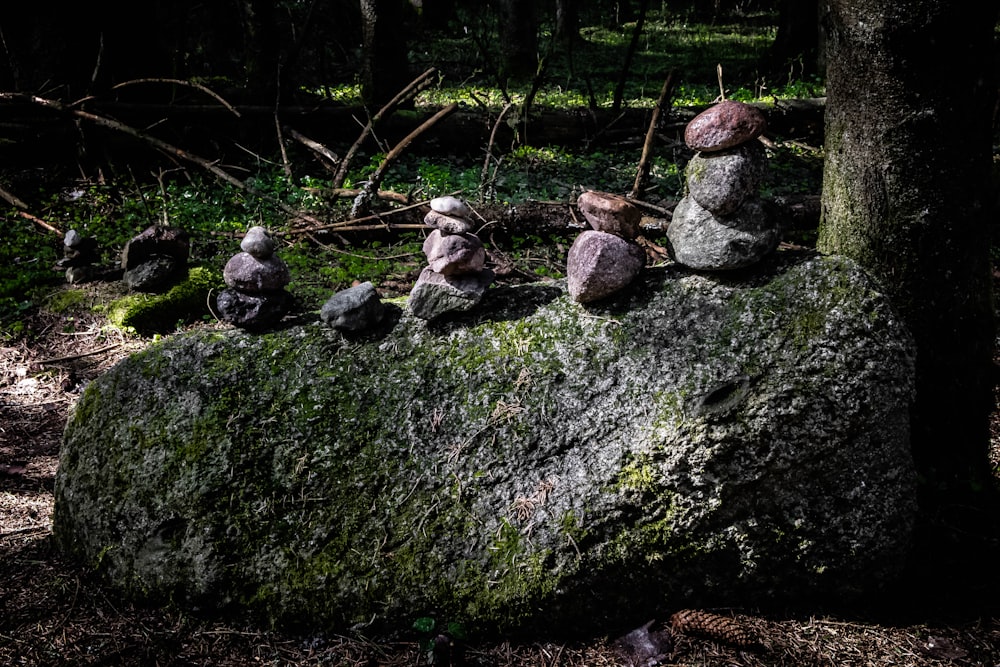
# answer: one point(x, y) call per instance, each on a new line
point(906, 192)
point(796, 46)
point(518, 31)
point(384, 65)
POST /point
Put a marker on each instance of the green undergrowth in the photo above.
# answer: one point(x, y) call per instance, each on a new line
point(215, 214)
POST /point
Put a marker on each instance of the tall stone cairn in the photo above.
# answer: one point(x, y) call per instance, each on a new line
point(721, 223)
point(455, 278)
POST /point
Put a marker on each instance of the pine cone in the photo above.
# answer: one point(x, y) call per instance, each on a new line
point(705, 624)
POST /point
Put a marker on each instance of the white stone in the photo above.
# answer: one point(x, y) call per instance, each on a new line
point(453, 206)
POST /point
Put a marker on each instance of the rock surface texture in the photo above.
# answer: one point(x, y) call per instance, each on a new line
point(530, 463)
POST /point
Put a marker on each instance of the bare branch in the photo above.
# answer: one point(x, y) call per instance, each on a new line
point(181, 82)
point(413, 88)
point(21, 206)
point(316, 147)
point(642, 174)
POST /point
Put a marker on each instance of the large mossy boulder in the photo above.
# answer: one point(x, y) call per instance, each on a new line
point(531, 464)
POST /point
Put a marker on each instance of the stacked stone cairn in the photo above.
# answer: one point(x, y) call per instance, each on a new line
point(255, 296)
point(721, 223)
point(455, 278)
point(155, 258)
point(354, 309)
point(79, 255)
point(605, 258)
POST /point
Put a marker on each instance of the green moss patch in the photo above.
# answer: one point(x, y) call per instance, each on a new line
point(185, 302)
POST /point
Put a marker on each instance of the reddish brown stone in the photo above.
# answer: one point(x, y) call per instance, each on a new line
point(610, 213)
point(727, 124)
point(599, 264)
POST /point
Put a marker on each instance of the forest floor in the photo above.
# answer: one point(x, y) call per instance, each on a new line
point(55, 612)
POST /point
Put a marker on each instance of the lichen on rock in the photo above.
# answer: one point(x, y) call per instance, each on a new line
point(737, 439)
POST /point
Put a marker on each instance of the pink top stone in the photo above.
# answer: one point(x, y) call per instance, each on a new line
point(727, 124)
point(611, 213)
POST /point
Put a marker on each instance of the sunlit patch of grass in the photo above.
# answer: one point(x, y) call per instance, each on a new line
point(344, 93)
point(668, 42)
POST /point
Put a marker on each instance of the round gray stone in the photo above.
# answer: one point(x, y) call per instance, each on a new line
point(700, 240)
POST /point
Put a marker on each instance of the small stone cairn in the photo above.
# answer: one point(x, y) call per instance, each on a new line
point(155, 258)
point(455, 278)
point(721, 223)
point(79, 255)
point(255, 297)
point(605, 258)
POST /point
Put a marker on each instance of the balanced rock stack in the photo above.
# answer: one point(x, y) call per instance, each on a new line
point(722, 223)
point(79, 255)
point(605, 258)
point(455, 278)
point(255, 297)
point(155, 258)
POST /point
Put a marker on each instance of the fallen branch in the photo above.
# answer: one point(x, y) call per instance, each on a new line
point(161, 145)
point(21, 206)
point(337, 193)
point(413, 88)
point(329, 156)
point(72, 357)
point(181, 82)
point(353, 222)
point(642, 173)
point(361, 201)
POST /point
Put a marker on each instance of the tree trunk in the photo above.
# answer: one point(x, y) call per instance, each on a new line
point(906, 192)
point(616, 103)
point(796, 46)
point(384, 65)
point(518, 28)
point(567, 21)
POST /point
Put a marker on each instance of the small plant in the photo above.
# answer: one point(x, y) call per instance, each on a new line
point(442, 646)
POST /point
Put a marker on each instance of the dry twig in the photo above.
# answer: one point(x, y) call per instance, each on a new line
point(412, 89)
point(375, 180)
point(642, 173)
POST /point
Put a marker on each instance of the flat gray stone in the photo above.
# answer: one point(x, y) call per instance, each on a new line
point(435, 294)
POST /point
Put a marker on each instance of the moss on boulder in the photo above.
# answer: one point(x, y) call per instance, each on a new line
point(697, 439)
point(159, 313)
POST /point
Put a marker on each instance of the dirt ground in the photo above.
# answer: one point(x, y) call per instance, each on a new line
point(53, 612)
